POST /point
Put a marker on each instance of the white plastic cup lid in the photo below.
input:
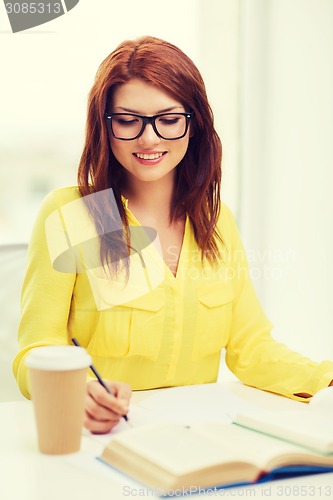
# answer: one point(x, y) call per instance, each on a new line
point(58, 357)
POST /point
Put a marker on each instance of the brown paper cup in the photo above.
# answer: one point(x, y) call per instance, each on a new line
point(58, 376)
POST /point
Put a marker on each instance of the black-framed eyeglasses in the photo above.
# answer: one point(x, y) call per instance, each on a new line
point(169, 126)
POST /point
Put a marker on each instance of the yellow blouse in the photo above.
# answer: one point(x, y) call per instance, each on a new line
point(158, 330)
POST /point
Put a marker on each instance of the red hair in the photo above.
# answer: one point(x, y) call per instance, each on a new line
point(198, 176)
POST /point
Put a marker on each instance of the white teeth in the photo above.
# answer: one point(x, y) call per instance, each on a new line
point(149, 157)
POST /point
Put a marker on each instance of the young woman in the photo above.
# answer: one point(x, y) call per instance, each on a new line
point(141, 262)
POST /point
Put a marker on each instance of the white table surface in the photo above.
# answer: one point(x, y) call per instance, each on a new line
point(26, 474)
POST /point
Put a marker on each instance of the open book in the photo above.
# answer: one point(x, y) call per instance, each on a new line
point(311, 428)
point(168, 456)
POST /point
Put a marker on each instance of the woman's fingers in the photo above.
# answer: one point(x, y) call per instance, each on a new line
point(99, 426)
point(103, 410)
point(98, 420)
point(123, 393)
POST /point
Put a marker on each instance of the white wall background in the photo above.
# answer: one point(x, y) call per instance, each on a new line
point(286, 113)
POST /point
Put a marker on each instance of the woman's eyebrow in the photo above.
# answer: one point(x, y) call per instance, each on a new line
point(166, 110)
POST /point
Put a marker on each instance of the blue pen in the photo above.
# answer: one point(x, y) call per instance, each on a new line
point(99, 378)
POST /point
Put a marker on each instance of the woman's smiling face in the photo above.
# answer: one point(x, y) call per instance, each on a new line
point(149, 157)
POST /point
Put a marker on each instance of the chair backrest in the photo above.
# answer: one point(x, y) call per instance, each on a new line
point(12, 269)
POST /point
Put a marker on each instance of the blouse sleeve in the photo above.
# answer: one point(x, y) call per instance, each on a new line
point(46, 296)
point(252, 354)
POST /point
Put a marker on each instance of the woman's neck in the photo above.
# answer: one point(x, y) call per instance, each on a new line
point(154, 199)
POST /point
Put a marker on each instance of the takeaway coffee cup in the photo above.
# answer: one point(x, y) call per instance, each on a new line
point(58, 377)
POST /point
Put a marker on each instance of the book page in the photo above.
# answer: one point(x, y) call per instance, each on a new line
point(176, 448)
point(137, 417)
point(307, 428)
point(196, 403)
point(322, 401)
point(251, 446)
point(182, 450)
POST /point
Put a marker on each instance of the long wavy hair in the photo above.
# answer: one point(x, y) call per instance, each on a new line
point(198, 175)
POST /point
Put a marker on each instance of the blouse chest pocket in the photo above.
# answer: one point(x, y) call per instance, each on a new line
point(213, 320)
point(131, 329)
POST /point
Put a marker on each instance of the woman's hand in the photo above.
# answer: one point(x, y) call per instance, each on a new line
point(104, 411)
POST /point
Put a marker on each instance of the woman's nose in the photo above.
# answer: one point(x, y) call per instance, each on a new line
point(149, 136)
